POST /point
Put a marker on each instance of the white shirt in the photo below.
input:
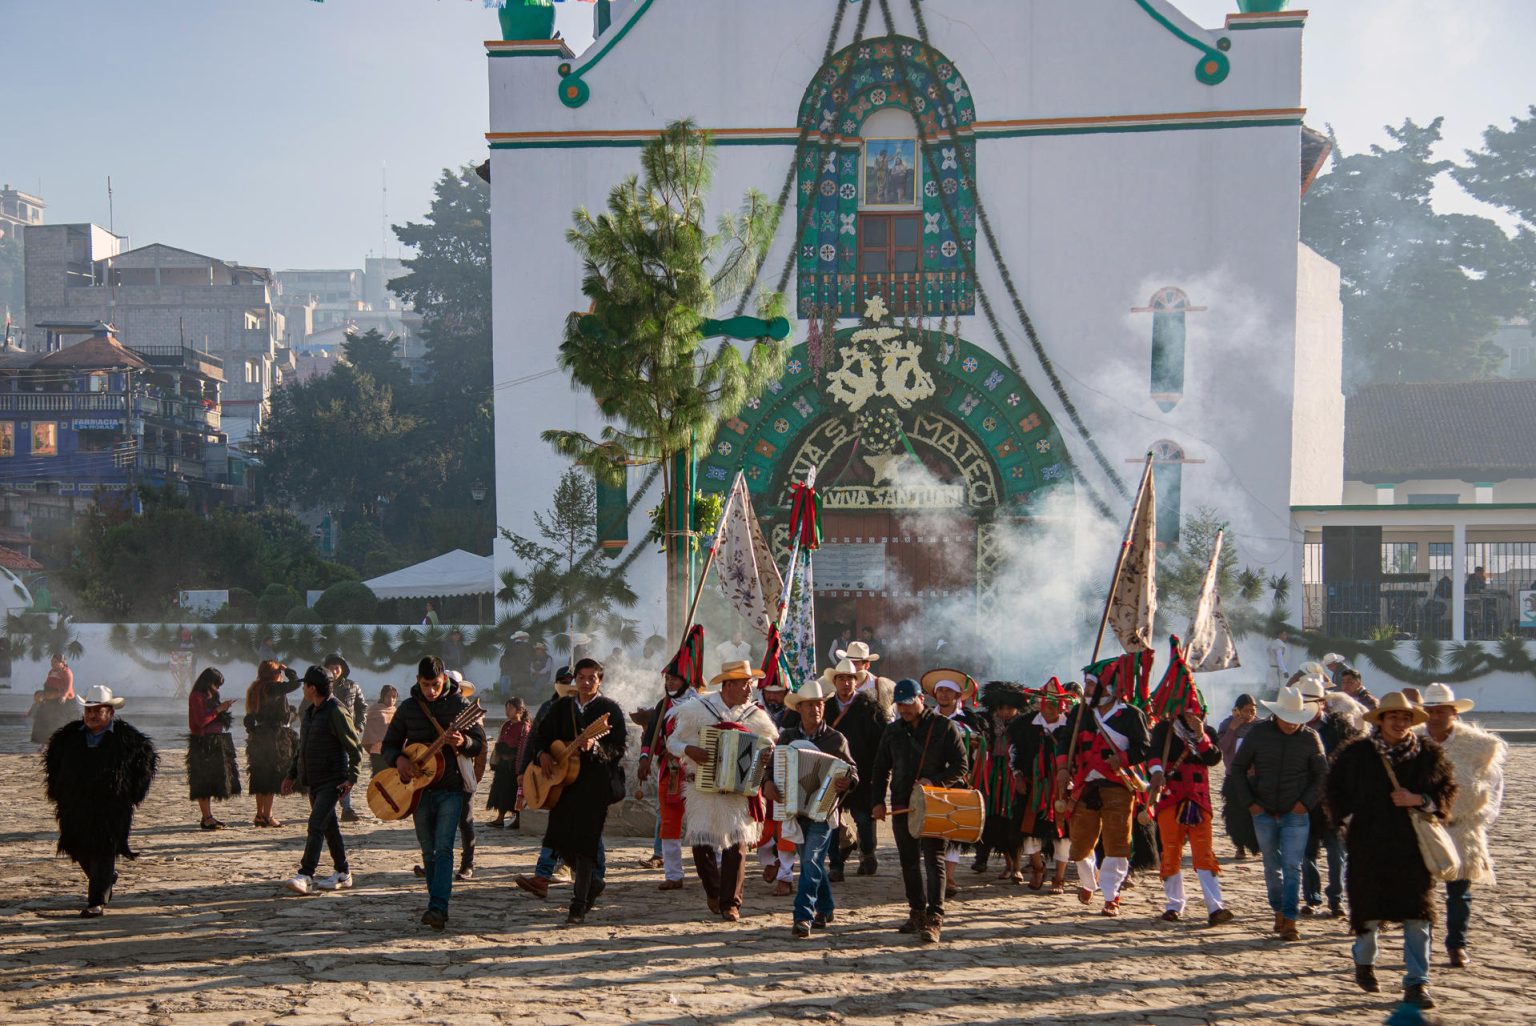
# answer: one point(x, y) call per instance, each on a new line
point(1118, 739)
point(1277, 656)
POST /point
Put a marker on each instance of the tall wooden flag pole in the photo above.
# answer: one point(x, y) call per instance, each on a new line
point(1125, 545)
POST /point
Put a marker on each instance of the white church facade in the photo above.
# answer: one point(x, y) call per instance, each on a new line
point(1083, 217)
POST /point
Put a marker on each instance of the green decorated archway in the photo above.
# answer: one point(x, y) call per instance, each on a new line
point(888, 395)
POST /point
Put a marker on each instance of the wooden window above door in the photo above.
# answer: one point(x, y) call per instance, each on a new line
point(891, 259)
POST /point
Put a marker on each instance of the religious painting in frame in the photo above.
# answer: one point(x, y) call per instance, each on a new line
point(890, 174)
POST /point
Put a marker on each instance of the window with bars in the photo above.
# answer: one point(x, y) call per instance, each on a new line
point(1399, 557)
point(1440, 557)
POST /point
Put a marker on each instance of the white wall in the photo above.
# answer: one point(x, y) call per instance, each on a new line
point(1317, 432)
point(1090, 224)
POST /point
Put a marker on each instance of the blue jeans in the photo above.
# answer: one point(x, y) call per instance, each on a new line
point(1282, 842)
point(437, 822)
point(549, 861)
point(1458, 912)
point(815, 894)
point(864, 825)
point(1416, 938)
point(323, 827)
point(1312, 884)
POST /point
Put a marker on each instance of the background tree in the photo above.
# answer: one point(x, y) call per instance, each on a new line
point(336, 442)
point(1503, 172)
point(449, 282)
point(566, 582)
point(653, 271)
point(1423, 292)
point(132, 567)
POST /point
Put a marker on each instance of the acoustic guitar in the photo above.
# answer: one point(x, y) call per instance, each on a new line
point(390, 797)
point(541, 791)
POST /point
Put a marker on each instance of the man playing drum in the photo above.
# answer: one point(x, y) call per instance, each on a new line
point(920, 749)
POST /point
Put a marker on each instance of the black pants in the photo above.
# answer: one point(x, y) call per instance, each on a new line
point(467, 835)
point(583, 868)
point(929, 851)
point(100, 875)
point(323, 826)
point(723, 882)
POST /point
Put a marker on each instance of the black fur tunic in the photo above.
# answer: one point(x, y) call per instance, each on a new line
point(1385, 878)
point(94, 790)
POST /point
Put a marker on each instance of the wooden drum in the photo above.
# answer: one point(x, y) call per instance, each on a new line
point(952, 813)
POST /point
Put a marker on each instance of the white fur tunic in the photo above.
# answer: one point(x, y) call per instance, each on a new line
point(1477, 762)
point(718, 820)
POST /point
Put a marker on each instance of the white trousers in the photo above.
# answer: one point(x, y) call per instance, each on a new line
point(1210, 890)
point(1112, 874)
point(1061, 848)
point(672, 858)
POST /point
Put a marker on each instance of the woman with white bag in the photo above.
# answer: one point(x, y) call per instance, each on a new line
point(1375, 786)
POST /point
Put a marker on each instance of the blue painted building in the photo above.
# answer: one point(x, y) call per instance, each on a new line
point(94, 418)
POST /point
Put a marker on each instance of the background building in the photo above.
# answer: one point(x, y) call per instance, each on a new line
point(92, 419)
point(160, 295)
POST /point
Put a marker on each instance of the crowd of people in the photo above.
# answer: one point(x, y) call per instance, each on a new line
point(1325, 789)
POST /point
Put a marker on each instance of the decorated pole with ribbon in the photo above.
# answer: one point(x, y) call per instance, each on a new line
point(804, 533)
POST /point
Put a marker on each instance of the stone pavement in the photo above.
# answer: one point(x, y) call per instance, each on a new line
point(201, 931)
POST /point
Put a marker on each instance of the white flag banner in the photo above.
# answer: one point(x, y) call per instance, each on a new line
point(748, 579)
point(1208, 644)
point(1134, 605)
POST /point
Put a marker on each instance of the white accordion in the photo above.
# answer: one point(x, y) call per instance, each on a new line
point(807, 781)
point(735, 764)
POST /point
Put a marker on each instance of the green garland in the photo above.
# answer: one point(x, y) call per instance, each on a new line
point(1467, 661)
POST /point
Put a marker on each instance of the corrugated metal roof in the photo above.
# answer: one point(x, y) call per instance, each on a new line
point(1461, 430)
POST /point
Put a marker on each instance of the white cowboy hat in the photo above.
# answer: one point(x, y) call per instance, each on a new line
point(945, 677)
point(1396, 701)
point(1291, 706)
point(1331, 658)
point(857, 650)
point(102, 695)
point(739, 669)
point(814, 690)
point(1441, 694)
point(1315, 668)
point(519, 636)
point(844, 668)
point(1313, 689)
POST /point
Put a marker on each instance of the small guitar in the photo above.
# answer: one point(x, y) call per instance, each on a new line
point(541, 791)
point(390, 797)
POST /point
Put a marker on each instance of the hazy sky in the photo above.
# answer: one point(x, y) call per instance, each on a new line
point(261, 130)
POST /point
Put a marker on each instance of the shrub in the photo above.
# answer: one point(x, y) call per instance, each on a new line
point(347, 602)
point(301, 614)
point(276, 599)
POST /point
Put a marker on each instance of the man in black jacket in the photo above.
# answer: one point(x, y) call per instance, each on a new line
point(576, 822)
point(855, 715)
point(326, 764)
point(920, 749)
point(98, 770)
point(1288, 772)
point(433, 705)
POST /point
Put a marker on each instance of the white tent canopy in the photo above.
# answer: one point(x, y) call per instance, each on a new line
point(453, 573)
